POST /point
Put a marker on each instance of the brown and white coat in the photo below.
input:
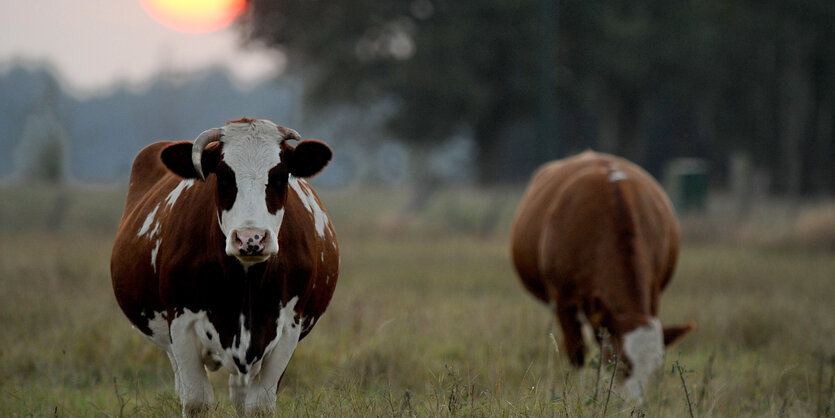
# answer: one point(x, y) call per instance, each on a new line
point(228, 271)
point(596, 239)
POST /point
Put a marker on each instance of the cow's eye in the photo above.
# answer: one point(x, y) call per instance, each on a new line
point(276, 186)
point(225, 177)
point(226, 187)
point(225, 181)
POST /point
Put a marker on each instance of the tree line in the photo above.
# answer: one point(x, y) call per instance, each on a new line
point(533, 80)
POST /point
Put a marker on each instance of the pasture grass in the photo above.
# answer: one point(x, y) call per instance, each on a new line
point(428, 319)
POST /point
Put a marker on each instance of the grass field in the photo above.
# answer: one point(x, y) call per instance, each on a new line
point(428, 319)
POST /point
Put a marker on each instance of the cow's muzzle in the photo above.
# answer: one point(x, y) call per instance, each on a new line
point(250, 242)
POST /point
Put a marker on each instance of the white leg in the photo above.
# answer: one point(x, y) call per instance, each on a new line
point(238, 393)
point(258, 395)
point(192, 382)
point(174, 368)
point(261, 392)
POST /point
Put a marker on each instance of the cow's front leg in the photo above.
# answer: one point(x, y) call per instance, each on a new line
point(192, 382)
point(572, 333)
point(261, 395)
point(238, 392)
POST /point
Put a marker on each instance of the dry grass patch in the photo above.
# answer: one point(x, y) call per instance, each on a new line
point(426, 321)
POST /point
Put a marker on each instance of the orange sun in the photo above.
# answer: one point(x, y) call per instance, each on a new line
point(194, 16)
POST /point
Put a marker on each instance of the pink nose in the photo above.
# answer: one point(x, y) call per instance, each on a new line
point(249, 241)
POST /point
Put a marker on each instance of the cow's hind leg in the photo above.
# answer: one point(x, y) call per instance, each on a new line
point(572, 333)
point(192, 382)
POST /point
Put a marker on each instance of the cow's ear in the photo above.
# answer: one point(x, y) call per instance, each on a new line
point(177, 157)
point(673, 333)
point(308, 158)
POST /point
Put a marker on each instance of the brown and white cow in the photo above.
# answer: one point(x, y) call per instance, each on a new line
point(226, 257)
point(596, 235)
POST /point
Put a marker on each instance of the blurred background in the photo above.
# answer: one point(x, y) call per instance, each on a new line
point(479, 93)
point(438, 112)
point(730, 104)
point(729, 97)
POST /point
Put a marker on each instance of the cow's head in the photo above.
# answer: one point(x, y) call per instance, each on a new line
point(251, 161)
point(641, 342)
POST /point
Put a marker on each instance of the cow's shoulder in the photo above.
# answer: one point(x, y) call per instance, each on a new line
point(147, 169)
point(152, 193)
point(304, 212)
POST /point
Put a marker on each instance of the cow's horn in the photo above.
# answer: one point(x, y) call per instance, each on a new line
point(209, 135)
point(287, 133)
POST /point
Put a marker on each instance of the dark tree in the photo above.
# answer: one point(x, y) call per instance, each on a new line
point(447, 64)
point(650, 80)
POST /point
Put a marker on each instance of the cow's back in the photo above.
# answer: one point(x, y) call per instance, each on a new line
point(544, 189)
point(589, 218)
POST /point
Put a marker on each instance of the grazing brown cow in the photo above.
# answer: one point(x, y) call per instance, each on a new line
point(597, 235)
point(226, 257)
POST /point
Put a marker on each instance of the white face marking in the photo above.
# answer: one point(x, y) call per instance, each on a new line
point(154, 253)
point(147, 224)
point(644, 346)
point(251, 150)
point(175, 194)
point(320, 219)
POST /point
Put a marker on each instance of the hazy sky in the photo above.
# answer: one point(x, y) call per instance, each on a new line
point(93, 44)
